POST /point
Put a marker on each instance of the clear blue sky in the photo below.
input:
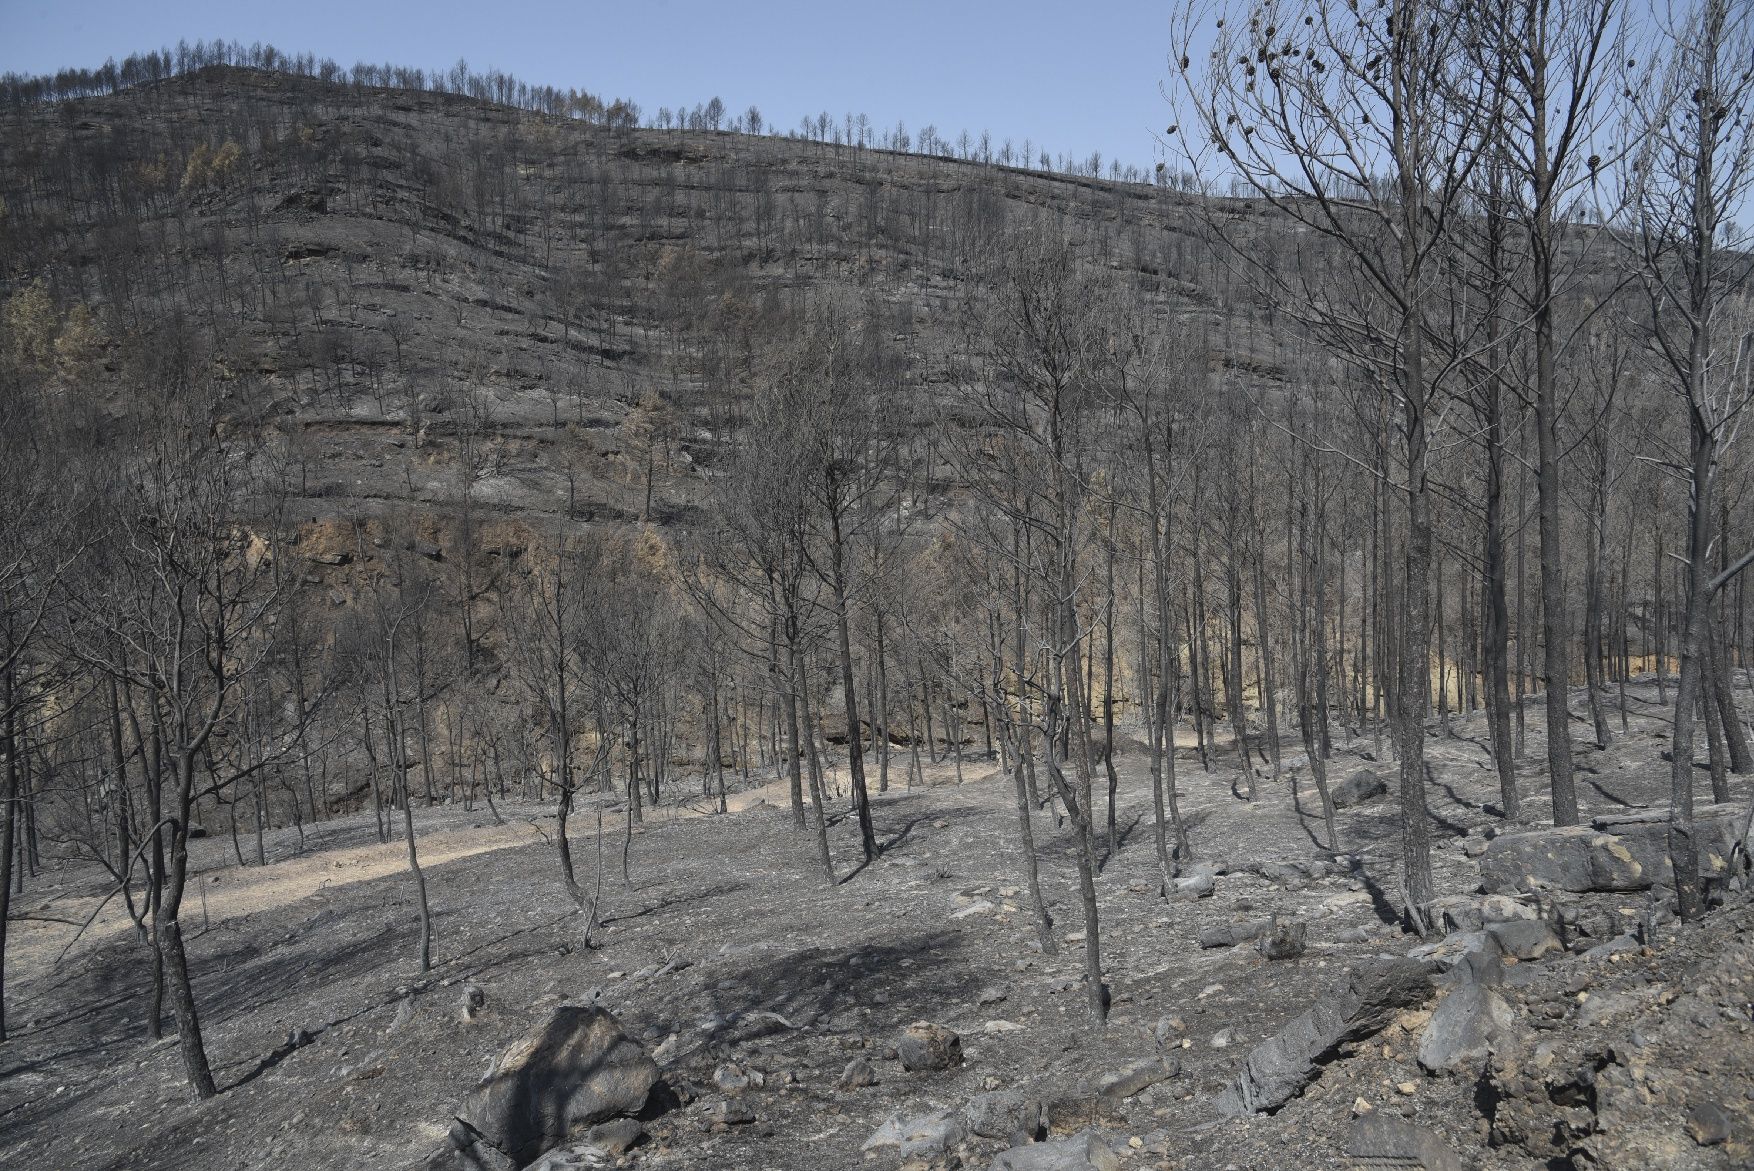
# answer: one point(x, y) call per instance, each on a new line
point(1074, 78)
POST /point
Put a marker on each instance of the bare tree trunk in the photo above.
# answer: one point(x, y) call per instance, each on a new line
point(1269, 701)
point(170, 934)
point(8, 818)
point(1108, 680)
point(882, 713)
point(1495, 616)
point(801, 682)
point(1735, 732)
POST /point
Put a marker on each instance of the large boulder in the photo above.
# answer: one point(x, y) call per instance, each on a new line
point(1358, 1007)
point(1611, 854)
point(574, 1070)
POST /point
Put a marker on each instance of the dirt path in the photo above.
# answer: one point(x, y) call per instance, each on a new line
point(338, 853)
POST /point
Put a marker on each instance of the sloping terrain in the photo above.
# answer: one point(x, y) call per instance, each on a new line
point(727, 949)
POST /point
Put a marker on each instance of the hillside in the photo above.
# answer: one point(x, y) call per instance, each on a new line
point(391, 286)
point(808, 656)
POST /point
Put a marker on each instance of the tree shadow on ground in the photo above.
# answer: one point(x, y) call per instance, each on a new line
point(1379, 899)
point(776, 991)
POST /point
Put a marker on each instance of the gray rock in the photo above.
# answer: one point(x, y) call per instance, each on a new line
point(1611, 855)
point(1137, 1077)
point(472, 1002)
point(1081, 1152)
point(1603, 952)
point(617, 1136)
point(1361, 786)
point(1357, 1007)
point(919, 1137)
point(574, 1070)
point(1231, 934)
point(1709, 1124)
point(1283, 941)
point(926, 1046)
point(1526, 939)
point(718, 1115)
point(857, 1075)
point(578, 1157)
point(1472, 957)
point(1192, 887)
point(1380, 1140)
point(1003, 1113)
point(1462, 1032)
point(734, 1079)
point(1457, 914)
point(1285, 874)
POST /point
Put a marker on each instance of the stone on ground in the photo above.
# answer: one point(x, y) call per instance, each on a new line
point(1382, 1140)
point(926, 1046)
point(1084, 1152)
point(1363, 785)
point(1138, 1077)
point(574, 1070)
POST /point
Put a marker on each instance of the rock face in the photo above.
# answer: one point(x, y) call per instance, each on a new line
point(1283, 1064)
point(1363, 785)
point(925, 1046)
point(1378, 1140)
point(571, 1072)
point(1611, 854)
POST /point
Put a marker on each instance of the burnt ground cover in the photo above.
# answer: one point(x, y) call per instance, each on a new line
point(755, 985)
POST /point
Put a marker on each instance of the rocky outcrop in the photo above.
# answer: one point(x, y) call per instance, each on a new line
point(1279, 1067)
point(1611, 854)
